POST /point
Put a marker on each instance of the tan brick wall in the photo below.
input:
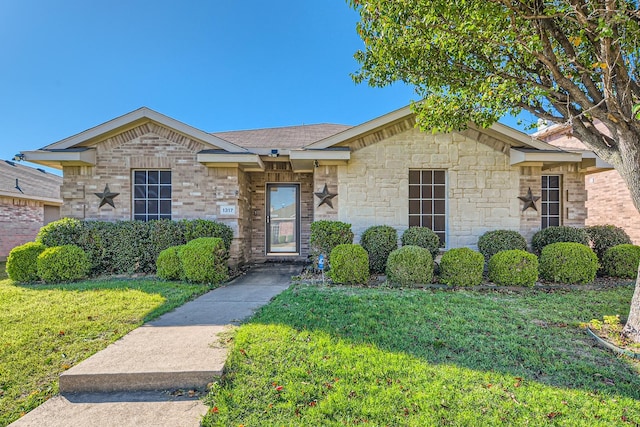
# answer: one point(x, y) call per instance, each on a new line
point(326, 175)
point(279, 172)
point(20, 221)
point(197, 191)
point(482, 186)
point(610, 202)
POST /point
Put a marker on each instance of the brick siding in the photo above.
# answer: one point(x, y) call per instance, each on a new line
point(20, 221)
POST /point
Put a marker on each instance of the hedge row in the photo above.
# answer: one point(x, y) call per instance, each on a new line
point(127, 247)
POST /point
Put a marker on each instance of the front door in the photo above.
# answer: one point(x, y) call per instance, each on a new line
point(283, 219)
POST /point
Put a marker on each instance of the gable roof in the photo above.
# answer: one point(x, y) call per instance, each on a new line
point(24, 182)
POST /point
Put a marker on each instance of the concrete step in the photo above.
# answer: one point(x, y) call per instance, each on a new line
point(152, 358)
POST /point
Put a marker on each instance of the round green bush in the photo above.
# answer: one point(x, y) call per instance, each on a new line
point(349, 264)
point(65, 231)
point(168, 264)
point(410, 265)
point(513, 267)
point(204, 260)
point(603, 237)
point(326, 235)
point(423, 237)
point(562, 233)
point(622, 261)
point(22, 265)
point(65, 263)
point(461, 267)
point(379, 241)
point(492, 242)
point(568, 262)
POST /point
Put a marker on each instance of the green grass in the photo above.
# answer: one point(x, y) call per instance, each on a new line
point(343, 356)
point(3, 270)
point(45, 330)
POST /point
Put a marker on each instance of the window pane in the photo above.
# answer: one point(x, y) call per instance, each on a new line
point(427, 177)
point(442, 241)
point(438, 192)
point(554, 209)
point(414, 206)
point(165, 207)
point(427, 221)
point(414, 191)
point(427, 200)
point(153, 177)
point(427, 207)
point(140, 207)
point(554, 195)
point(165, 177)
point(439, 207)
point(414, 221)
point(165, 191)
point(140, 192)
point(414, 177)
point(152, 207)
point(545, 182)
point(140, 217)
point(438, 223)
point(140, 177)
point(545, 209)
point(165, 216)
point(153, 192)
point(427, 192)
point(439, 177)
point(554, 181)
point(554, 222)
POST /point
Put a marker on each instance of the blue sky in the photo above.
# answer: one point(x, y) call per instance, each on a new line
point(69, 65)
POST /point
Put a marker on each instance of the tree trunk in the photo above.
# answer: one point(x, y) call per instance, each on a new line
point(631, 329)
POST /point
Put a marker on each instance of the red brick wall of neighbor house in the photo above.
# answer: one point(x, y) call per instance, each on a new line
point(20, 221)
point(608, 198)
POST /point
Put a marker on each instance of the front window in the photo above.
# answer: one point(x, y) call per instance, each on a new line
point(550, 201)
point(151, 194)
point(427, 201)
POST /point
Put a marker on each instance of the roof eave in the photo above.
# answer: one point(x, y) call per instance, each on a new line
point(58, 159)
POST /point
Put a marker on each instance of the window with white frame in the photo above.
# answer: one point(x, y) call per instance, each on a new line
point(151, 194)
point(551, 209)
point(428, 201)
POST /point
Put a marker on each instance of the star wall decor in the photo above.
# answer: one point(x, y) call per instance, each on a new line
point(529, 201)
point(106, 197)
point(325, 197)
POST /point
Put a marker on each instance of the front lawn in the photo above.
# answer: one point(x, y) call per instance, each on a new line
point(46, 329)
point(344, 356)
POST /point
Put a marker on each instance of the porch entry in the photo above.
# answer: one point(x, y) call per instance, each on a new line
point(283, 219)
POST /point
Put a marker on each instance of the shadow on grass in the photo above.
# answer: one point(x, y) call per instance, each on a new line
point(532, 334)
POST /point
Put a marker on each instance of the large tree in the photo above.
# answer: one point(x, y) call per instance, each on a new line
point(565, 61)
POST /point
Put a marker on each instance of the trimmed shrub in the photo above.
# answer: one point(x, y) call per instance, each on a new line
point(461, 267)
point(65, 231)
point(492, 242)
point(513, 267)
point(349, 264)
point(168, 264)
point(165, 233)
point(204, 260)
point(65, 263)
point(22, 265)
point(603, 237)
point(379, 241)
point(622, 261)
point(195, 228)
point(568, 262)
point(551, 235)
point(326, 235)
point(410, 265)
point(423, 237)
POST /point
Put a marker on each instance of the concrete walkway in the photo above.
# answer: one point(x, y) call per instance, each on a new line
point(133, 382)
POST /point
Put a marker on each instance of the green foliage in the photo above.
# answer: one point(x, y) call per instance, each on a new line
point(65, 231)
point(66, 263)
point(168, 264)
point(204, 260)
point(379, 241)
point(568, 262)
point(461, 267)
point(349, 264)
point(22, 262)
point(513, 267)
point(326, 235)
point(128, 246)
point(423, 237)
point(410, 265)
point(562, 233)
point(195, 228)
point(492, 242)
point(622, 261)
point(603, 237)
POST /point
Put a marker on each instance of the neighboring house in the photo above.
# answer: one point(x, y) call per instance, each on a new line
point(270, 184)
point(608, 197)
point(29, 199)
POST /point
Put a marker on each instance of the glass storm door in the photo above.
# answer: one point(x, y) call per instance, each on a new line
point(283, 219)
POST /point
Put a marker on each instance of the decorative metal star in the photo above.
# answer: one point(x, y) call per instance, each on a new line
point(106, 197)
point(325, 197)
point(529, 201)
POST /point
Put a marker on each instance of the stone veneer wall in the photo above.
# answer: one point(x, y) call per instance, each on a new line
point(482, 186)
point(20, 221)
point(279, 172)
point(197, 191)
point(610, 202)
